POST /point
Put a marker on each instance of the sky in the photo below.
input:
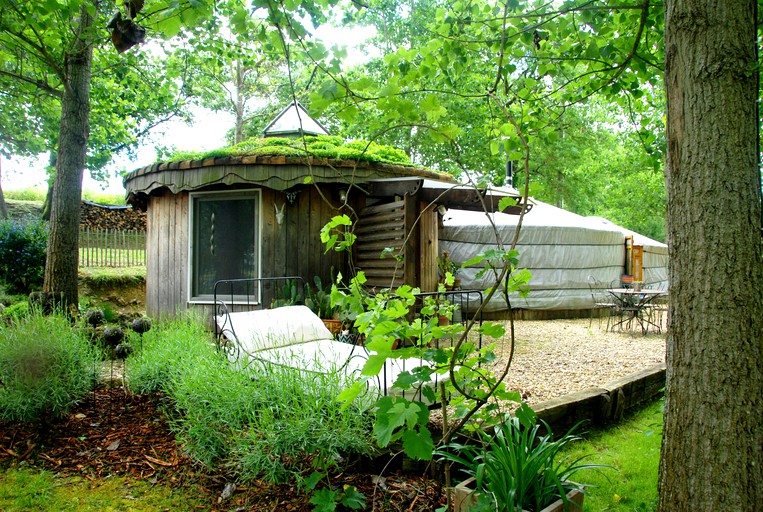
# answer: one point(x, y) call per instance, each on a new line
point(206, 133)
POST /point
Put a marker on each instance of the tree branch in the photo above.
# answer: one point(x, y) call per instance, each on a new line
point(43, 86)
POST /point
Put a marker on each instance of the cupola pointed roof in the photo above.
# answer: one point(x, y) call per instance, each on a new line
point(294, 121)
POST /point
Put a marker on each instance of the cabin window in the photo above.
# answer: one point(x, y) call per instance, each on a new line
point(225, 240)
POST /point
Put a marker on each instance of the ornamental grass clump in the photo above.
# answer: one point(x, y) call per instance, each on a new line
point(46, 366)
point(164, 351)
point(263, 421)
point(516, 468)
point(298, 423)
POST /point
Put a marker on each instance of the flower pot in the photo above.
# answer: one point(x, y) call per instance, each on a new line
point(465, 498)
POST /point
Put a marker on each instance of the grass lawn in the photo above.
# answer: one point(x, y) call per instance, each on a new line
point(33, 489)
point(633, 449)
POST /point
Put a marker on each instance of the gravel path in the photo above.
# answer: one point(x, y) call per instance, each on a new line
point(557, 357)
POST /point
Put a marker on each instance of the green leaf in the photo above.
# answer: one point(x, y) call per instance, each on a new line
point(405, 380)
point(353, 499)
point(506, 202)
point(526, 415)
point(492, 329)
point(418, 444)
point(348, 395)
point(373, 365)
point(170, 25)
point(310, 482)
point(325, 500)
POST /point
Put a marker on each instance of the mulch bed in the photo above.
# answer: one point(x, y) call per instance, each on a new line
point(112, 432)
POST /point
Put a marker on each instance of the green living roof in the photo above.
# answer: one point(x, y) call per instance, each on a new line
point(278, 163)
point(316, 146)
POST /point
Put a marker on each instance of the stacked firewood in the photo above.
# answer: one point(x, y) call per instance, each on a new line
point(119, 218)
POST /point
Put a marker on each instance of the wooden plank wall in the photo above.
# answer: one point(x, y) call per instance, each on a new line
point(429, 247)
point(167, 254)
point(380, 227)
point(295, 247)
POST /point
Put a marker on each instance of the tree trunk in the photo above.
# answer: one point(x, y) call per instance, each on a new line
point(63, 246)
point(51, 178)
point(712, 451)
point(3, 207)
point(239, 74)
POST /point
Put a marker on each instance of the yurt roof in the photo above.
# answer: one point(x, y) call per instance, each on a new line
point(544, 224)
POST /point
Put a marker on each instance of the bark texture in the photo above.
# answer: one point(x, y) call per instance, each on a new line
point(712, 452)
point(239, 75)
point(63, 248)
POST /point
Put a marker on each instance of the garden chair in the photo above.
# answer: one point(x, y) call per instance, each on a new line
point(602, 301)
point(658, 308)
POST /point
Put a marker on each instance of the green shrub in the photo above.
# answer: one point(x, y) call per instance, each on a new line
point(17, 311)
point(267, 421)
point(213, 405)
point(297, 422)
point(22, 255)
point(46, 366)
point(9, 300)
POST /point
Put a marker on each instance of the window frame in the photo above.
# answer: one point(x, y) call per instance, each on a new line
point(256, 195)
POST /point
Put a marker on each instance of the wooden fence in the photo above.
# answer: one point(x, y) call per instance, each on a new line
point(111, 248)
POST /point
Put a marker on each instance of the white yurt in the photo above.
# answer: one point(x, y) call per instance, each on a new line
point(563, 251)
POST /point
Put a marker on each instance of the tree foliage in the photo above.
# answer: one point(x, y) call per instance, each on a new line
point(131, 92)
point(467, 87)
point(50, 48)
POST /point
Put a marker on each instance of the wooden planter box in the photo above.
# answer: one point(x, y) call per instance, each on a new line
point(464, 499)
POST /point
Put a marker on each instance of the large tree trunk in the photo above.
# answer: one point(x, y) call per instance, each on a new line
point(63, 247)
point(712, 451)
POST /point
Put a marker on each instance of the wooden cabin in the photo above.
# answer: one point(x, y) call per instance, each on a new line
point(261, 215)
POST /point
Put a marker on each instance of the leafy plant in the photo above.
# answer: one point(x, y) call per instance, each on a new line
point(337, 234)
point(319, 300)
point(22, 254)
point(446, 265)
point(17, 310)
point(288, 296)
point(162, 350)
point(327, 499)
point(516, 467)
point(46, 365)
point(384, 319)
